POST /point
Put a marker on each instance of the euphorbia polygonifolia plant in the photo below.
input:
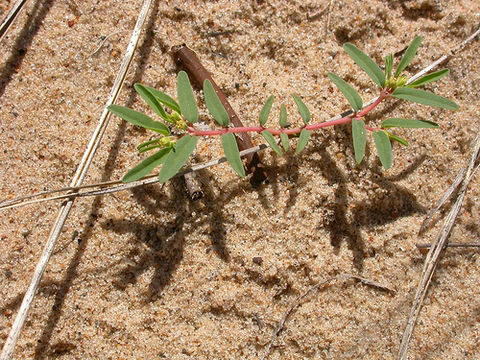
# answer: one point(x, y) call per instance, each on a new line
point(173, 151)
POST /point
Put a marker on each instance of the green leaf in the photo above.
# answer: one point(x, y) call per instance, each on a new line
point(146, 166)
point(388, 65)
point(266, 110)
point(384, 148)
point(302, 140)
point(214, 104)
point(177, 157)
point(424, 97)
point(232, 154)
point(366, 63)
point(284, 140)
point(409, 55)
point(397, 139)
point(429, 78)
point(188, 105)
point(142, 145)
point(359, 139)
point(150, 100)
point(352, 96)
point(302, 109)
point(164, 99)
point(139, 119)
point(271, 141)
point(283, 116)
point(408, 123)
point(148, 148)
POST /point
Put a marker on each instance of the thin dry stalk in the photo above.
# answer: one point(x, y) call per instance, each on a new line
point(104, 41)
point(298, 301)
point(433, 255)
point(145, 181)
point(76, 181)
point(451, 189)
point(10, 18)
point(449, 245)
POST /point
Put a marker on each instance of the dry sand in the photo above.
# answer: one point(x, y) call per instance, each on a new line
point(148, 274)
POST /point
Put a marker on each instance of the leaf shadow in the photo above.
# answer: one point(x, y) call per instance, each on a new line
point(346, 218)
point(164, 242)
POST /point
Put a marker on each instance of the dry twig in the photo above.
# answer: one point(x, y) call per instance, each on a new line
point(76, 181)
point(188, 59)
point(104, 40)
point(318, 286)
point(451, 189)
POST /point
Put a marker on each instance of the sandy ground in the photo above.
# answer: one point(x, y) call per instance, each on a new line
point(148, 274)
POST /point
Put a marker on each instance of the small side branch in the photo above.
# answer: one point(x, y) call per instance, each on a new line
point(298, 301)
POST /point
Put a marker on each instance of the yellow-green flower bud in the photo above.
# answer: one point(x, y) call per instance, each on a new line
point(166, 141)
point(181, 125)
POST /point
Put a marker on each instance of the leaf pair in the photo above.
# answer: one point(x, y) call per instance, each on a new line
point(380, 78)
point(270, 139)
point(382, 138)
point(229, 144)
point(373, 70)
point(172, 159)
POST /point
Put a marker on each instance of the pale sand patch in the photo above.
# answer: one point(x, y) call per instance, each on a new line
point(157, 276)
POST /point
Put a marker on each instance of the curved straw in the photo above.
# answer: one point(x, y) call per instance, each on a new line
point(76, 181)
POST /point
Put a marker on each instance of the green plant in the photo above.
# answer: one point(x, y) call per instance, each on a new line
point(173, 151)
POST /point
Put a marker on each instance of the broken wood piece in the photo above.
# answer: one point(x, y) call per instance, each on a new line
point(188, 60)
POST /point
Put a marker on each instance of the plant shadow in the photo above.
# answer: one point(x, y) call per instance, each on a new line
point(165, 242)
point(24, 40)
point(41, 350)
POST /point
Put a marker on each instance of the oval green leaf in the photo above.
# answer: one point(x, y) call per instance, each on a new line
point(302, 109)
point(284, 140)
point(271, 141)
point(366, 63)
point(139, 119)
point(266, 110)
point(429, 78)
point(424, 97)
point(409, 55)
point(146, 166)
point(352, 96)
point(359, 134)
point(188, 105)
point(302, 140)
point(151, 100)
point(214, 105)
point(283, 117)
point(177, 157)
point(408, 123)
point(384, 148)
point(164, 99)
point(232, 154)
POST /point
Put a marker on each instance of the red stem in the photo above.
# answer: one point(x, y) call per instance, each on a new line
point(243, 129)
